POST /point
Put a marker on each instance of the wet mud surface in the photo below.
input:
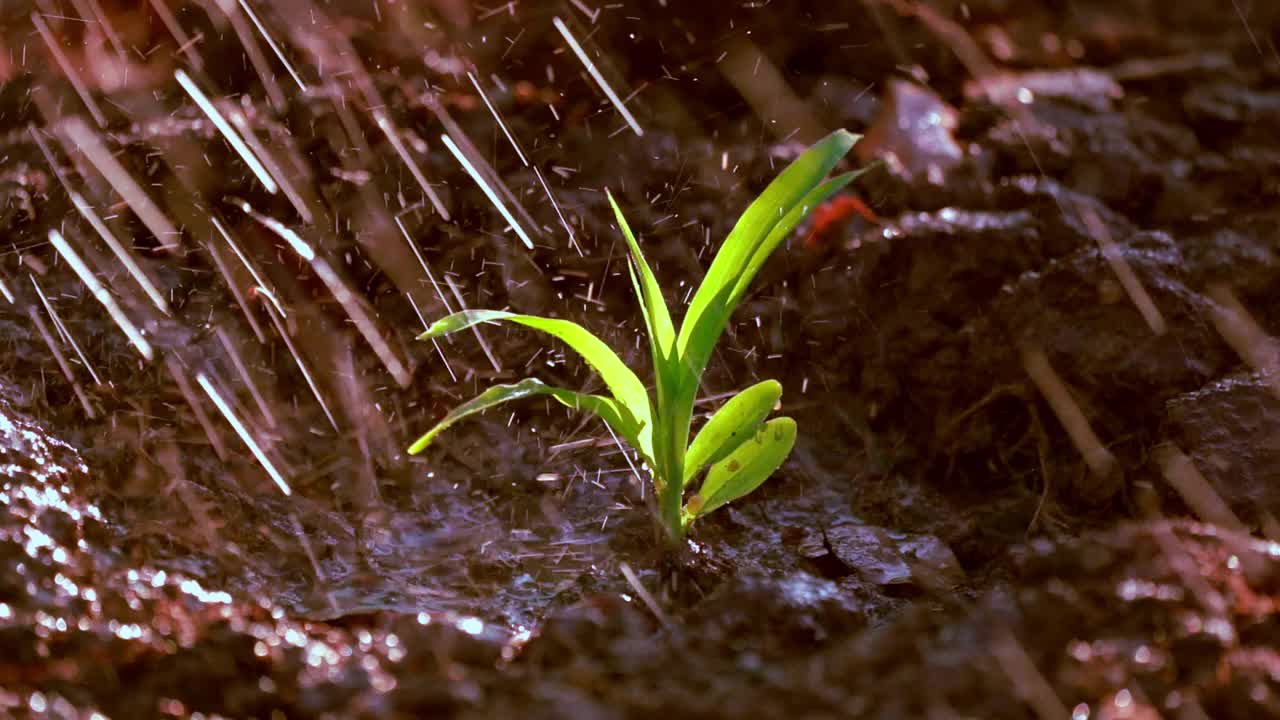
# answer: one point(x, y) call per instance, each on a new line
point(1069, 203)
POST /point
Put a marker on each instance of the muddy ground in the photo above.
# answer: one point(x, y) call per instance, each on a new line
point(1073, 200)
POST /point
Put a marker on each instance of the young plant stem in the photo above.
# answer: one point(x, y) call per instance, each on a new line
point(672, 494)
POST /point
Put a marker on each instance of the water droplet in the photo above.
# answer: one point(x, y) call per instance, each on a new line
point(1123, 699)
point(471, 625)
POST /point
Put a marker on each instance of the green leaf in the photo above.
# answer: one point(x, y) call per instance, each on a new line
point(735, 422)
point(783, 229)
point(708, 311)
point(621, 381)
point(657, 318)
point(746, 468)
point(608, 409)
point(656, 315)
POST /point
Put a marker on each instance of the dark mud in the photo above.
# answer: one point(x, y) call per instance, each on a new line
point(940, 544)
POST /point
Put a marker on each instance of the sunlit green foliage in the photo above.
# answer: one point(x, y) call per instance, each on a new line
point(737, 447)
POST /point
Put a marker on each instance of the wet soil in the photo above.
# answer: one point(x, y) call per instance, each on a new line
point(942, 543)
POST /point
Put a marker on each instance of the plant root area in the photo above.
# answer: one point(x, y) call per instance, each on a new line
point(1030, 353)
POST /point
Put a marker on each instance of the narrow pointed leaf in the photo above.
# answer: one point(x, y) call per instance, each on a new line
point(608, 409)
point(747, 467)
point(668, 446)
point(801, 176)
point(783, 229)
point(735, 422)
point(707, 313)
point(656, 314)
point(622, 382)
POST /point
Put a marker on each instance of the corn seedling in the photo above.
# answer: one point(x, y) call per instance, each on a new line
point(737, 447)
